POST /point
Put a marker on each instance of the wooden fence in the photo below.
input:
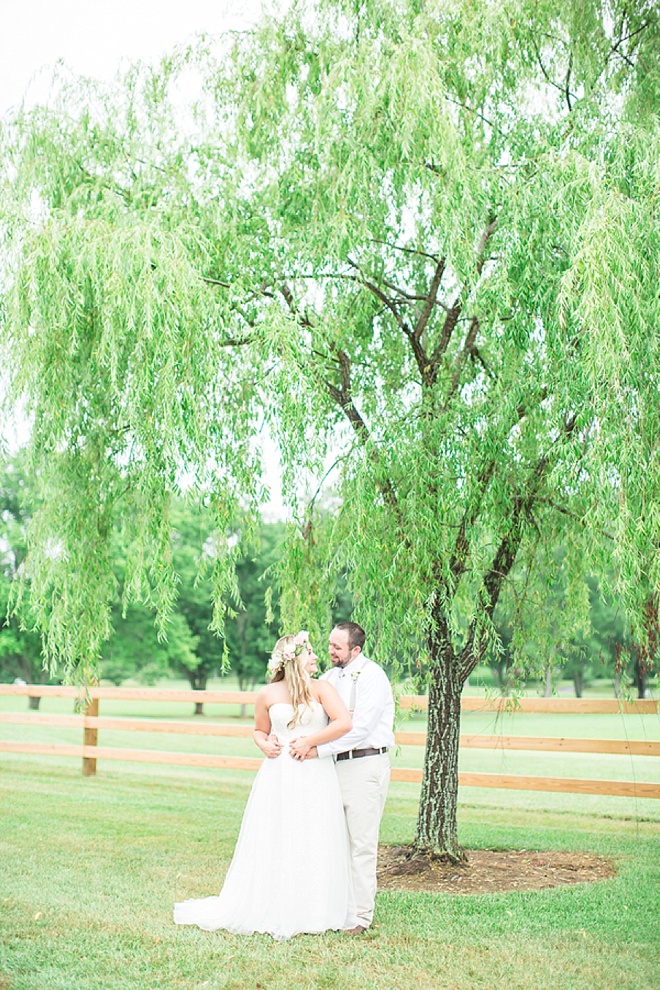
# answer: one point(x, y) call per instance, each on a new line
point(90, 722)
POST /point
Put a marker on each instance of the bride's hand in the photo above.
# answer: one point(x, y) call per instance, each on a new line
point(299, 747)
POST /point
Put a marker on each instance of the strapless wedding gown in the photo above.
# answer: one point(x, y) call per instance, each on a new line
point(290, 872)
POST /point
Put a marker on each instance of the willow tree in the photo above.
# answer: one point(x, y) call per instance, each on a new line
point(420, 238)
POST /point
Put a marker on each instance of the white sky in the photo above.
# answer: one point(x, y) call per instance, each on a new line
point(94, 36)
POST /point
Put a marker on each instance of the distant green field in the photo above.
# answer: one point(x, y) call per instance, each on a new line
point(92, 866)
point(599, 766)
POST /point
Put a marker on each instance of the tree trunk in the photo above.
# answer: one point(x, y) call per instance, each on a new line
point(437, 829)
point(33, 703)
point(198, 683)
point(578, 683)
point(547, 693)
point(242, 686)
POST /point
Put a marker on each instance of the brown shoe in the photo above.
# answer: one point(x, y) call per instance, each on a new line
point(358, 930)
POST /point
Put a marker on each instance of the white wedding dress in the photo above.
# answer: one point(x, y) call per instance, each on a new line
point(290, 872)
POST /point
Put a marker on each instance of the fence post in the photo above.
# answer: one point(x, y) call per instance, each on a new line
point(90, 738)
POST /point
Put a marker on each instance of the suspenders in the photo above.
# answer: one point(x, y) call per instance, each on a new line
point(354, 679)
point(355, 754)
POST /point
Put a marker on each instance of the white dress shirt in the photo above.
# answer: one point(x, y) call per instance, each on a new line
point(373, 718)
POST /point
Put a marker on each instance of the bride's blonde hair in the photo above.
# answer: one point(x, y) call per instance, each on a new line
point(291, 658)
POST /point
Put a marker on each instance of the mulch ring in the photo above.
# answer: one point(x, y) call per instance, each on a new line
point(488, 871)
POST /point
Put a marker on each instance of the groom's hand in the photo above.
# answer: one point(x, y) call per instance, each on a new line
point(272, 747)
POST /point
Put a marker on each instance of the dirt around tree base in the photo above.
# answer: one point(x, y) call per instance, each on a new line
point(489, 871)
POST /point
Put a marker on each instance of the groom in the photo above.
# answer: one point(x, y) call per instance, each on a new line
point(363, 766)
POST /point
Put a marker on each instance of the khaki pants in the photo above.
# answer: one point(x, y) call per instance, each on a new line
point(364, 784)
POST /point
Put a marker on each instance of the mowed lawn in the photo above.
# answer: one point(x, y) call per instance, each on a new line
point(90, 869)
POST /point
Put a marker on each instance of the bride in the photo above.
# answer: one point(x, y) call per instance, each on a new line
point(290, 872)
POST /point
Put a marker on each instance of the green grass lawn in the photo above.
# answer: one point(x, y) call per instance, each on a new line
point(90, 869)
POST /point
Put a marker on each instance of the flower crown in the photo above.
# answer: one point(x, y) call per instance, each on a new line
point(282, 656)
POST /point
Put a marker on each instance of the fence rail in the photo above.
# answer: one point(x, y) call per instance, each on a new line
point(585, 706)
point(91, 723)
point(601, 706)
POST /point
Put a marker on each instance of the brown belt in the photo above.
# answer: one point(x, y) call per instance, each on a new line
point(356, 754)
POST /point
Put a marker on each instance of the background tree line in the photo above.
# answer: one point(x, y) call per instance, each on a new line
point(136, 650)
point(191, 650)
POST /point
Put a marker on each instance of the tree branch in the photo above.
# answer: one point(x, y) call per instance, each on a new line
point(383, 298)
point(567, 91)
point(504, 559)
point(471, 513)
point(486, 235)
point(419, 353)
point(430, 300)
point(448, 326)
point(467, 349)
point(572, 515)
point(342, 396)
point(236, 341)
point(405, 250)
point(477, 113)
point(455, 310)
point(302, 319)
point(410, 297)
point(614, 50)
point(462, 544)
point(562, 88)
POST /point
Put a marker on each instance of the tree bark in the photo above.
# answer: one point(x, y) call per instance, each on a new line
point(437, 831)
point(33, 702)
point(547, 691)
point(578, 683)
point(198, 683)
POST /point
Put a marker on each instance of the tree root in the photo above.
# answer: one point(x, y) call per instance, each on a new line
point(413, 860)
